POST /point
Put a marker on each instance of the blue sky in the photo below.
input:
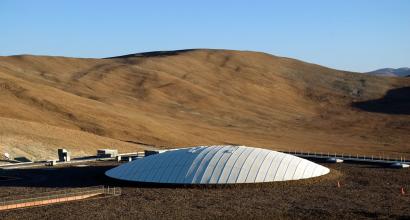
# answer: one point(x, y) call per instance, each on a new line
point(356, 35)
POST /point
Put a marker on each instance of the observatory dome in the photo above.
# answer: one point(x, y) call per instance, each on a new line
point(217, 165)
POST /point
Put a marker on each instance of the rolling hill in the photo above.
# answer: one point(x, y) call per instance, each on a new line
point(400, 72)
point(197, 97)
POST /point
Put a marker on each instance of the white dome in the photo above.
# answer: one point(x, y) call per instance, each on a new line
point(217, 165)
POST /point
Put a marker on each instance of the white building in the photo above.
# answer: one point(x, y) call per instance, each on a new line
point(217, 165)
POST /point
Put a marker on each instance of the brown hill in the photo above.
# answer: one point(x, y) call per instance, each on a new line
point(196, 97)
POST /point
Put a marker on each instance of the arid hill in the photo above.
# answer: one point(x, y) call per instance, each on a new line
point(197, 97)
point(399, 72)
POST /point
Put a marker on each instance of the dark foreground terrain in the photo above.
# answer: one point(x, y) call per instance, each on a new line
point(366, 192)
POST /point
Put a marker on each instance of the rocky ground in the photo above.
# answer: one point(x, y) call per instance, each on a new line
point(365, 191)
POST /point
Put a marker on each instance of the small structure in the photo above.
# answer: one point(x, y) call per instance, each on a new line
point(51, 162)
point(334, 160)
point(400, 165)
point(153, 152)
point(22, 159)
point(64, 155)
point(107, 153)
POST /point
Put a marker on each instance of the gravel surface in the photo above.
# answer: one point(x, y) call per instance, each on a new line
point(366, 192)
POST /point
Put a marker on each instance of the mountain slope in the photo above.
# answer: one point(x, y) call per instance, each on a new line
point(401, 72)
point(195, 97)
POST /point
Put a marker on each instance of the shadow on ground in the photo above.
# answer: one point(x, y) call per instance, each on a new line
point(56, 177)
point(94, 175)
point(396, 101)
point(75, 177)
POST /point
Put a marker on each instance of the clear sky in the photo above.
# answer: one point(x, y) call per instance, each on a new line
point(356, 35)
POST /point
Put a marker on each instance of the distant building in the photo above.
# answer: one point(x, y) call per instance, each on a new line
point(153, 152)
point(107, 153)
point(64, 155)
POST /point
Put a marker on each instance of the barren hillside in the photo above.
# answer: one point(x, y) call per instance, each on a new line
point(197, 97)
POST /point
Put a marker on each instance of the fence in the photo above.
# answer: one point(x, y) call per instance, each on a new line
point(351, 157)
point(57, 197)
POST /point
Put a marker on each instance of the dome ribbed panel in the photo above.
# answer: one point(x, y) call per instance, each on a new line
point(217, 165)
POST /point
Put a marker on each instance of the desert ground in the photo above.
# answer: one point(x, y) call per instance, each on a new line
point(197, 97)
point(366, 191)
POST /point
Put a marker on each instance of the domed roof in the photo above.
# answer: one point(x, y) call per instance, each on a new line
point(217, 165)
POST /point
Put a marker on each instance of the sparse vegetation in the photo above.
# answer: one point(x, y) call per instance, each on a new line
point(193, 97)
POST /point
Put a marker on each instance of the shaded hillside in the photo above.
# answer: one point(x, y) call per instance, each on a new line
point(195, 97)
point(396, 101)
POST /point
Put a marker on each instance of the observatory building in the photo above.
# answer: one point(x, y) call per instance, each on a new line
point(217, 165)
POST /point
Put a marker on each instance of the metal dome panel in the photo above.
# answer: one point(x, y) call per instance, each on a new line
point(217, 165)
